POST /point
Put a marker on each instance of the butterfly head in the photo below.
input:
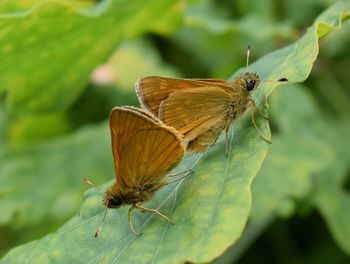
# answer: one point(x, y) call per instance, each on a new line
point(112, 199)
point(250, 81)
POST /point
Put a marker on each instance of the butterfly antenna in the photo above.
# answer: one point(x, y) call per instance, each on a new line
point(279, 80)
point(98, 231)
point(248, 55)
point(88, 182)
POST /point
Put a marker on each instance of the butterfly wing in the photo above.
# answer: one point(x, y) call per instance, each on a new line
point(143, 112)
point(208, 138)
point(194, 111)
point(150, 154)
point(144, 149)
point(152, 90)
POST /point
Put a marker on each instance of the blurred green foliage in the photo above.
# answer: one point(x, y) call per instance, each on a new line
point(65, 64)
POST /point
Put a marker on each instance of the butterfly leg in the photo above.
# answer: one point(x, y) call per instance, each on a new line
point(143, 209)
point(258, 110)
point(130, 222)
point(177, 174)
point(257, 129)
point(226, 141)
point(186, 174)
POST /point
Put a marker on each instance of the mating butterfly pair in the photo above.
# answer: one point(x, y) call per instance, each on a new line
point(182, 114)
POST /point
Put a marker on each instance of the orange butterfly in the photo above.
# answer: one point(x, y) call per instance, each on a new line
point(200, 109)
point(144, 151)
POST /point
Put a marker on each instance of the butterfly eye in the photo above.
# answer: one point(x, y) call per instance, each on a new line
point(250, 85)
point(114, 202)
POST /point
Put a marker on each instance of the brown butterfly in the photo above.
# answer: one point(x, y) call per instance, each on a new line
point(200, 109)
point(144, 151)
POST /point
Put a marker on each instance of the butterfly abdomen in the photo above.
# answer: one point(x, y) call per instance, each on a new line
point(139, 194)
point(205, 140)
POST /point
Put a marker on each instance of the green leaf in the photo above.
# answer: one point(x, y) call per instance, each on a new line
point(25, 128)
point(286, 175)
point(210, 208)
point(44, 181)
point(287, 172)
point(330, 197)
point(12, 6)
point(48, 52)
point(2, 126)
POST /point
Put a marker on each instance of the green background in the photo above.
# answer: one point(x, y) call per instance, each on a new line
point(65, 64)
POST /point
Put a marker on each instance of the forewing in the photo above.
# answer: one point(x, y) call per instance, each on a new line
point(152, 90)
point(194, 111)
point(150, 153)
point(143, 112)
point(124, 122)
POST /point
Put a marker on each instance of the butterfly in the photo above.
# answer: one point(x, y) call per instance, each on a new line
point(200, 109)
point(144, 151)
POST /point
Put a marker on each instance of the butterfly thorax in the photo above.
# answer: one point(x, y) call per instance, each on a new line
point(116, 196)
point(238, 106)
